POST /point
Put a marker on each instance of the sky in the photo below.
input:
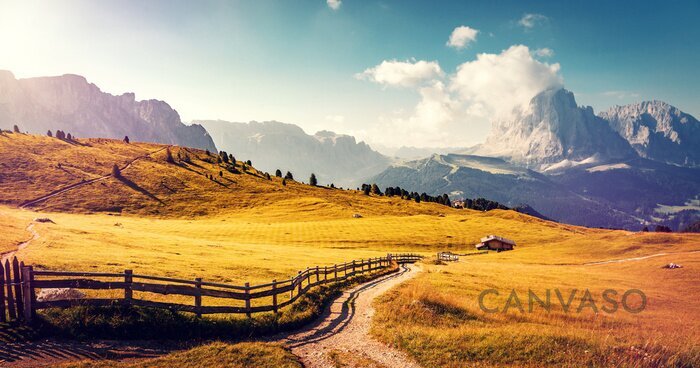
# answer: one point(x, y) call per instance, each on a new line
point(392, 73)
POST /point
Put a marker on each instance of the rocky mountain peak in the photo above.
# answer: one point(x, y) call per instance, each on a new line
point(553, 128)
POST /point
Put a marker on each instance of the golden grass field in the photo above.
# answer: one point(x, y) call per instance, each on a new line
point(169, 219)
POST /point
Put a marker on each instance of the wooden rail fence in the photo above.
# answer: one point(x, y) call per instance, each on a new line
point(18, 293)
point(447, 257)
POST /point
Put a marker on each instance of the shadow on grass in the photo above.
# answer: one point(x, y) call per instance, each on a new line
point(137, 188)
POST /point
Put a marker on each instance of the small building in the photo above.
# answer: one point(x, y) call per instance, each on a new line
point(497, 243)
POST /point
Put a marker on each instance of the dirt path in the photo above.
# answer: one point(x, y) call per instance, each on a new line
point(10, 254)
point(638, 258)
point(82, 183)
point(344, 329)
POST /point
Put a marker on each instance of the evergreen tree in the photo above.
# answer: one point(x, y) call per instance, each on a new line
point(289, 176)
point(278, 173)
point(221, 173)
point(267, 176)
point(332, 185)
point(69, 137)
point(375, 190)
point(662, 229)
point(249, 163)
point(15, 128)
point(312, 180)
point(284, 182)
point(645, 229)
point(126, 139)
point(231, 159)
point(366, 189)
point(116, 172)
point(207, 152)
point(224, 156)
point(49, 134)
point(169, 156)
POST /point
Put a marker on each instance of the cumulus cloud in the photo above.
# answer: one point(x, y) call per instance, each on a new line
point(530, 20)
point(462, 36)
point(334, 4)
point(503, 81)
point(449, 106)
point(410, 73)
point(544, 52)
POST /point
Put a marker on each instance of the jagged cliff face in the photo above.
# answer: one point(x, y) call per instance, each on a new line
point(71, 104)
point(658, 131)
point(551, 129)
point(272, 145)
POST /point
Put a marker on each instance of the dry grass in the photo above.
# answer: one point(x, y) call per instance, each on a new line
point(170, 219)
point(438, 320)
point(218, 354)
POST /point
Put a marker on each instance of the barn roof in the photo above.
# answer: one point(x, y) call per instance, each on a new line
point(489, 238)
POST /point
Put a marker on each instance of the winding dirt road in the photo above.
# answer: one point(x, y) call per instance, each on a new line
point(10, 254)
point(344, 328)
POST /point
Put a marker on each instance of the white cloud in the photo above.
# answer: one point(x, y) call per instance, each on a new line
point(544, 52)
point(334, 4)
point(503, 81)
point(530, 20)
point(409, 73)
point(452, 108)
point(462, 36)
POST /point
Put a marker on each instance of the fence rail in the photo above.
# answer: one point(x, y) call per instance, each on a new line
point(19, 292)
point(447, 257)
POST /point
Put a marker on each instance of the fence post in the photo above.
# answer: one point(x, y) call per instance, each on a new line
point(335, 270)
point(247, 299)
point(18, 287)
point(325, 274)
point(317, 275)
point(27, 292)
point(198, 297)
point(274, 295)
point(300, 282)
point(353, 266)
point(2, 294)
point(10, 294)
point(128, 290)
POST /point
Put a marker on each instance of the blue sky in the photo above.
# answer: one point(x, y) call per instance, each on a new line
point(298, 61)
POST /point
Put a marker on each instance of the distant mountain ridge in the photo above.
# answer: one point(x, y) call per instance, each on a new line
point(628, 167)
point(658, 131)
point(271, 145)
point(72, 104)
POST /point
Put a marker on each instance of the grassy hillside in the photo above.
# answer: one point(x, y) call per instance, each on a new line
point(171, 219)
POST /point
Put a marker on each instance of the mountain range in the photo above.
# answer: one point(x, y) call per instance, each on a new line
point(72, 104)
point(606, 170)
point(628, 167)
point(333, 158)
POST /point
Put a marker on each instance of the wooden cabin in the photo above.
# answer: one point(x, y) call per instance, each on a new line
point(497, 243)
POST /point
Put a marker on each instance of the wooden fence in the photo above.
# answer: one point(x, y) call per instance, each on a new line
point(22, 302)
point(448, 257)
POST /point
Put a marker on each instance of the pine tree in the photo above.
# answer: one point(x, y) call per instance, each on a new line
point(278, 173)
point(289, 176)
point(169, 156)
point(231, 159)
point(69, 137)
point(312, 180)
point(366, 189)
point(116, 172)
point(224, 156)
point(249, 163)
point(267, 176)
point(49, 134)
point(221, 173)
point(284, 182)
point(15, 129)
point(207, 152)
point(126, 139)
point(375, 190)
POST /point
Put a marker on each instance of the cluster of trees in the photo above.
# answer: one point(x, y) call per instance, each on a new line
point(482, 204)
point(61, 135)
point(443, 199)
point(692, 228)
point(225, 157)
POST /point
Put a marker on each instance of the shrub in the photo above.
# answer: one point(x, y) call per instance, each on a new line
point(312, 180)
point(15, 128)
point(48, 134)
point(126, 139)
